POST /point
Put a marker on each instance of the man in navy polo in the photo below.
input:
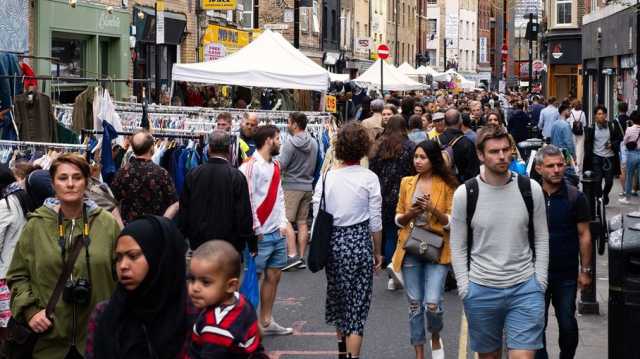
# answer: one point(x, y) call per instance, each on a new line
point(570, 251)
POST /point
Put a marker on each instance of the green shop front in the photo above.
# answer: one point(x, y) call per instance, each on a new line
point(91, 41)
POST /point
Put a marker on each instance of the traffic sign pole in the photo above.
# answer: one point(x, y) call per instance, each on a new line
point(381, 78)
point(383, 53)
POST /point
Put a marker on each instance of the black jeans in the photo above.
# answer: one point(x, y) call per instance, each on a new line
point(562, 294)
point(603, 169)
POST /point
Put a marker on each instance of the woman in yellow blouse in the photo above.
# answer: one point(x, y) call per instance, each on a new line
point(425, 200)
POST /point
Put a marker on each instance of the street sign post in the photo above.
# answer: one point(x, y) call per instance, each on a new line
point(383, 54)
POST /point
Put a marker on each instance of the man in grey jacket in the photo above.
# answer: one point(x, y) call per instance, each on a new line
point(501, 271)
point(298, 164)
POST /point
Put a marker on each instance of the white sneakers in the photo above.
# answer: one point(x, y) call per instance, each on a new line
point(438, 353)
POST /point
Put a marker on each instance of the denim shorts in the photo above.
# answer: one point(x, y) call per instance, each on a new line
point(272, 252)
point(517, 311)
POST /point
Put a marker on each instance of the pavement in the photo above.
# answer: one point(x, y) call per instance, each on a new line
point(300, 304)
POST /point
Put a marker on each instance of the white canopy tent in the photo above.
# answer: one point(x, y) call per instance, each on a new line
point(394, 80)
point(408, 70)
point(426, 70)
point(339, 77)
point(268, 61)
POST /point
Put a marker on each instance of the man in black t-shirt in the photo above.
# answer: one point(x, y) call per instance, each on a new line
point(568, 218)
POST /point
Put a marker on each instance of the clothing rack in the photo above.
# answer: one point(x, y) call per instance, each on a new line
point(66, 146)
point(166, 134)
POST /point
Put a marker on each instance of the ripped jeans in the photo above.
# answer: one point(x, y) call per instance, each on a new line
point(424, 284)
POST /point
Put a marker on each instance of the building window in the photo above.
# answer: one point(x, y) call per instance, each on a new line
point(71, 53)
point(247, 14)
point(563, 12)
point(334, 27)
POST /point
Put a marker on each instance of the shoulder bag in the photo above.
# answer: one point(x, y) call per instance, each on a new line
point(424, 244)
point(632, 146)
point(320, 236)
point(21, 340)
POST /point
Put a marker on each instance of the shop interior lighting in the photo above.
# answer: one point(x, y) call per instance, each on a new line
point(73, 3)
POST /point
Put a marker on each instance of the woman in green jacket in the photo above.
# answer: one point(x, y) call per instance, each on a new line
point(45, 243)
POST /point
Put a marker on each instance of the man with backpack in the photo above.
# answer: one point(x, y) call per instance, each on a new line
point(458, 148)
point(500, 252)
point(568, 218)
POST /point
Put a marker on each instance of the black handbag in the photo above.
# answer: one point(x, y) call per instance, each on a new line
point(424, 244)
point(632, 146)
point(21, 340)
point(321, 236)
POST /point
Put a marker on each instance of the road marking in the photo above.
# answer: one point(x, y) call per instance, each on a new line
point(462, 344)
point(280, 354)
point(297, 330)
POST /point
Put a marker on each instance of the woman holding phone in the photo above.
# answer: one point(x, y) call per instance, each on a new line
point(425, 201)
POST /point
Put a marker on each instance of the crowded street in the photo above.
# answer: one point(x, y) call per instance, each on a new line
point(319, 179)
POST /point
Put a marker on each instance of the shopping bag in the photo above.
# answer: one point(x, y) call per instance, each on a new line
point(250, 287)
point(320, 236)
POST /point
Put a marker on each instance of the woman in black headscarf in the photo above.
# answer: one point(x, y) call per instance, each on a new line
point(148, 315)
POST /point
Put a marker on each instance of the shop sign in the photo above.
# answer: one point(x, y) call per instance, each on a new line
point(363, 44)
point(160, 22)
point(538, 66)
point(288, 15)
point(213, 52)
point(108, 21)
point(219, 41)
point(218, 4)
point(332, 104)
point(482, 50)
point(556, 51)
point(276, 26)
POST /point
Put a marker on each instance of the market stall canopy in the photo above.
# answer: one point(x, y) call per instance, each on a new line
point(408, 70)
point(269, 61)
point(339, 77)
point(426, 70)
point(394, 80)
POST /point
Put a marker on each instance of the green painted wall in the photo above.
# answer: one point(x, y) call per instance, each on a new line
point(90, 22)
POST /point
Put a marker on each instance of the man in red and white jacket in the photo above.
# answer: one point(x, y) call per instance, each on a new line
point(269, 221)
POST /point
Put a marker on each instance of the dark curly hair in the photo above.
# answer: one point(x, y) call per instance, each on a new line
point(352, 142)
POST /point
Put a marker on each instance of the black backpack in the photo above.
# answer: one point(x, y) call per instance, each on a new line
point(524, 185)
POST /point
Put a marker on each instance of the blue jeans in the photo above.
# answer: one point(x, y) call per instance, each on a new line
point(390, 240)
point(562, 294)
point(424, 284)
point(516, 312)
point(633, 167)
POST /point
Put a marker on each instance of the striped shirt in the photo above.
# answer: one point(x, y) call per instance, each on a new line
point(226, 331)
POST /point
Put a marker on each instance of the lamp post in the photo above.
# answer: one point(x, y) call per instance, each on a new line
point(159, 41)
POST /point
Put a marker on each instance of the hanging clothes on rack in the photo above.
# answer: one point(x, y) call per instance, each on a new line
point(83, 110)
point(34, 117)
point(29, 81)
point(9, 87)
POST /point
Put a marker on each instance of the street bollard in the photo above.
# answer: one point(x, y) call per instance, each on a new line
point(588, 303)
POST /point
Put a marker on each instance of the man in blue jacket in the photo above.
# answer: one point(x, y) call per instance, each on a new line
point(561, 135)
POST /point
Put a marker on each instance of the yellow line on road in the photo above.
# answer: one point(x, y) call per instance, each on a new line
point(462, 344)
point(464, 339)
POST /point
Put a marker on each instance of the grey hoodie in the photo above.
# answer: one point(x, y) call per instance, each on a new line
point(298, 162)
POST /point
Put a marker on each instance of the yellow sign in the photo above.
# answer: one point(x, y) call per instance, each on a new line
point(219, 41)
point(218, 4)
point(332, 104)
point(160, 5)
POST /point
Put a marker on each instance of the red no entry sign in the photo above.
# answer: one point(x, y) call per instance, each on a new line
point(383, 51)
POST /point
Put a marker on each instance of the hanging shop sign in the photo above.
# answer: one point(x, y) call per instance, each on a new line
point(332, 104)
point(160, 22)
point(218, 4)
point(219, 41)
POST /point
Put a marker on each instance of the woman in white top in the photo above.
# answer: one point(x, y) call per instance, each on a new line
point(352, 196)
point(578, 115)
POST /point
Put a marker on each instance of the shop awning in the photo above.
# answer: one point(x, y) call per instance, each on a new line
point(394, 80)
point(269, 61)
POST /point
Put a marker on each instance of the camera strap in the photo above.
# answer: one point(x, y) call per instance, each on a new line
point(70, 261)
point(64, 275)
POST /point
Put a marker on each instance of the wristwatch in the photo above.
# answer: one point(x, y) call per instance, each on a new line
point(586, 270)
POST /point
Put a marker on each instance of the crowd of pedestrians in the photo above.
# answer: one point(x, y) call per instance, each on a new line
point(431, 187)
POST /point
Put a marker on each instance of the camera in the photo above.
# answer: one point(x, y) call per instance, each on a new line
point(77, 292)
